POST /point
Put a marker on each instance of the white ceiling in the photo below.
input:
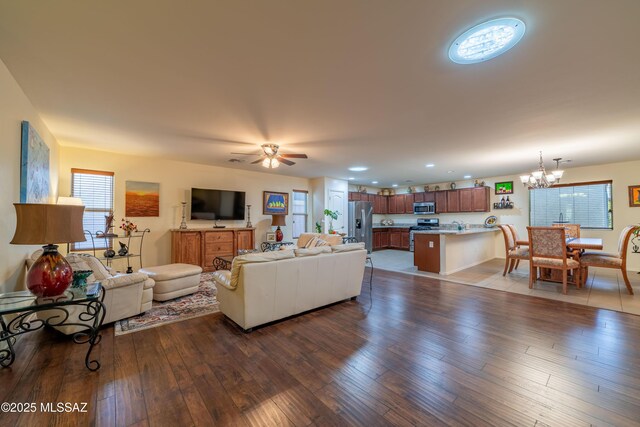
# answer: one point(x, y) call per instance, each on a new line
point(347, 82)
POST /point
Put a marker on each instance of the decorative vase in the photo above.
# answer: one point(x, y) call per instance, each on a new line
point(109, 253)
point(124, 250)
point(80, 279)
point(279, 235)
point(50, 275)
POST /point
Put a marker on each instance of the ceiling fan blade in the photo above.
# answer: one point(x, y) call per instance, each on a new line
point(285, 161)
point(251, 153)
point(294, 156)
point(258, 161)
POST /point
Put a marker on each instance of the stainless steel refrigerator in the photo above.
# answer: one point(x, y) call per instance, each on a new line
point(361, 223)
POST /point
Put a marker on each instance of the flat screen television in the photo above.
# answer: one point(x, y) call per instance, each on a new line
point(217, 204)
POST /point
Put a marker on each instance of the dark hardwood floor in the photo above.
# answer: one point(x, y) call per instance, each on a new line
point(425, 353)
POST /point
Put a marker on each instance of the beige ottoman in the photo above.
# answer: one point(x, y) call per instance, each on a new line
point(173, 280)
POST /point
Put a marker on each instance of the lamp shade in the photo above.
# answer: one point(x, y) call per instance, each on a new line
point(277, 220)
point(40, 224)
point(70, 201)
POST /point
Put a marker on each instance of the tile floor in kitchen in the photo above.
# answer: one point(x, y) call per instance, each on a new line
point(604, 289)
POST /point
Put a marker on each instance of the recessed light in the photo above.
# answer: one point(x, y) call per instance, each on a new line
point(486, 40)
point(450, 171)
point(429, 165)
point(374, 182)
point(351, 178)
point(394, 185)
point(467, 176)
point(358, 168)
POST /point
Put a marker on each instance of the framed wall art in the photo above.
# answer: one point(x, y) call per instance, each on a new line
point(634, 196)
point(504, 187)
point(271, 236)
point(142, 198)
point(34, 167)
point(275, 203)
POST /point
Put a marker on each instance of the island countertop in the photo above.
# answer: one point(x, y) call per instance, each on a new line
point(457, 232)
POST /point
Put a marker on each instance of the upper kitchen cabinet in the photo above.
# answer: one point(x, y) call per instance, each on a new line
point(474, 199)
point(408, 203)
point(441, 201)
point(453, 201)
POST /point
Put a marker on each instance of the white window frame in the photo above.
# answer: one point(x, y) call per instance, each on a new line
point(295, 217)
point(109, 197)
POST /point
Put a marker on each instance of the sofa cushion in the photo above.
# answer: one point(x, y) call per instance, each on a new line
point(79, 263)
point(331, 239)
point(257, 257)
point(313, 251)
point(346, 247)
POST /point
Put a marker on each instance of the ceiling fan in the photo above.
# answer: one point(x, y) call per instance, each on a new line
point(271, 159)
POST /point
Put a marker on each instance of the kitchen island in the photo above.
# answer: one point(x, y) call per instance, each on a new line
point(448, 251)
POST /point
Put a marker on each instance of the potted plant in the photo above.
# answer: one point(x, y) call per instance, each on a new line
point(332, 215)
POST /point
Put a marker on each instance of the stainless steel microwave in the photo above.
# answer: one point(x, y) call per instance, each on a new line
point(424, 208)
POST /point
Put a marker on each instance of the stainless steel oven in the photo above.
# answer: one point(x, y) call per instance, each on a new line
point(424, 208)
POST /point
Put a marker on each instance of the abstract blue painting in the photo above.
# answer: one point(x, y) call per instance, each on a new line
point(34, 167)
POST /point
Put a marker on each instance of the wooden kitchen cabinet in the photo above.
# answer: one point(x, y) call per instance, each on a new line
point(418, 197)
point(384, 239)
point(408, 203)
point(392, 205)
point(404, 234)
point(481, 199)
point(429, 196)
point(441, 201)
point(453, 201)
point(354, 196)
point(380, 204)
point(395, 238)
point(466, 199)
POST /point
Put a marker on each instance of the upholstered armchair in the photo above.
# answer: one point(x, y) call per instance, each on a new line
point(126, 295)
point(617, 260)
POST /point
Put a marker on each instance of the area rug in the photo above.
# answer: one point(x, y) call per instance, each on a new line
point(200, 303)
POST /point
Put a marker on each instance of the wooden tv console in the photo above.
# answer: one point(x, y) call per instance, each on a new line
point(199, 246)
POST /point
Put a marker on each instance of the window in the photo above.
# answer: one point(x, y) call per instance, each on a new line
point(588, 204)
point(299, 210)
point(95, 188)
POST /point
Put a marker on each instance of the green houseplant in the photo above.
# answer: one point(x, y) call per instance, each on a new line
point(332, 216)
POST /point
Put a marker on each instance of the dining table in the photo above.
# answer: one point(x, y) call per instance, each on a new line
point(577, 245)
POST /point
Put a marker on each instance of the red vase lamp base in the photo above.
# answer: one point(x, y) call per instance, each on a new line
point(50, 275)
point(279, 235)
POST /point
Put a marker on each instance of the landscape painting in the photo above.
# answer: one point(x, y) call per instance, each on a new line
point(142, 198)
point(634, 196)
point(34, 167)
point(275, 203)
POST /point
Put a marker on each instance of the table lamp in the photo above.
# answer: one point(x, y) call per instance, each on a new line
point(51, 274)
point(278, 220)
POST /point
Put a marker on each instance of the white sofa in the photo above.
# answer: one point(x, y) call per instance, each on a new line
point(264, 287)
point(126, 295)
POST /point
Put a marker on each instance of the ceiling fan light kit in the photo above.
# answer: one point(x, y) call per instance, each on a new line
point(270, 158)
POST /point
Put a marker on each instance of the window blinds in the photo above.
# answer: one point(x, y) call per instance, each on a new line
point(587, 204)
point(95, 188)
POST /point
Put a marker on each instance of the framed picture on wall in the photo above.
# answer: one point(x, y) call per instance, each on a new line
point(271, 236)
point(275, 203)
point(634, 196)
point(504, 187)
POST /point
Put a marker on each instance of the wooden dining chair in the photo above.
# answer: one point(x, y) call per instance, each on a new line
point(607, 260)
point(548, 249)
point(513, 252)
point(572, 231)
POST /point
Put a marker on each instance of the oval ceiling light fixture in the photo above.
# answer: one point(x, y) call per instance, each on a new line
point(429, 165)
point(486, 41)
point(351, 178)
point(467, 176)
point(358, 168)
point(374, 182)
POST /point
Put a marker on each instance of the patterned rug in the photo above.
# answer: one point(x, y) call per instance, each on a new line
point(200, 303)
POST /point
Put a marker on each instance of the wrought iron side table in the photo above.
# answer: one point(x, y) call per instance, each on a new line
point(16, 309)
point(222, 263)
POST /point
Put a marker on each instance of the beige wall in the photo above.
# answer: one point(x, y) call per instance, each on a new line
point(176, 180)
point(623, 175)
point(14, 108)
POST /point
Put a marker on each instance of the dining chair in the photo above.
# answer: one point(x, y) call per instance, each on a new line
point(513, 252)
point(608, 260)
point(519, 242)
point(548, 249)
point(572, 230)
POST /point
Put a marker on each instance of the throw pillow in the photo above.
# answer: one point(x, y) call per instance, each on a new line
point(348, 247)
point(312, 243)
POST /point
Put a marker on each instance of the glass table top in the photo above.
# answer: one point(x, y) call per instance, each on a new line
point(14, 302)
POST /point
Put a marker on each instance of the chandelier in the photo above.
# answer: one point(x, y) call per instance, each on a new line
point(541, 178)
